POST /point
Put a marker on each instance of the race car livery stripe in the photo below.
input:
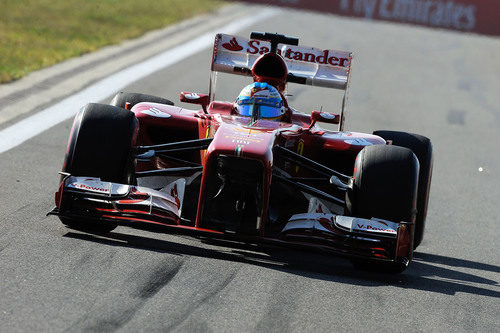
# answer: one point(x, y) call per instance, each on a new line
point(132, 219)
point(130, 211)
point(238, 150)
point(168, 225)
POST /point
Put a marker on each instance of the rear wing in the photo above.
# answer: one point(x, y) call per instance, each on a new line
point(306, 65)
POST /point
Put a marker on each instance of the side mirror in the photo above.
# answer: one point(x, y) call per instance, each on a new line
point(194, 98)
point(324, 117)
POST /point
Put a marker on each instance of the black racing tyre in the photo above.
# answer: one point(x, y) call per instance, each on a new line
point(385, 186)
point(133, 98)
point(422, 148)
point(100, 145)
point(88, 226)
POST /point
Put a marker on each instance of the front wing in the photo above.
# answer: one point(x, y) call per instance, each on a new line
point(372, 239)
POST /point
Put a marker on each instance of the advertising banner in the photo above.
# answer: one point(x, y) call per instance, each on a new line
point(477, 16)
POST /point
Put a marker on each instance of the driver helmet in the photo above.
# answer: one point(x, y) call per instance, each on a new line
point(261, 101)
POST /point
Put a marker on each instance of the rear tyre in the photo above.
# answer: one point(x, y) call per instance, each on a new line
point(385, 187)
point(100, 145)
point(134, 98)
point(422, 148)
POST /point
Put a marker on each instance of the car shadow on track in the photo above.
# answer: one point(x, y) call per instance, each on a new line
point(423, 273)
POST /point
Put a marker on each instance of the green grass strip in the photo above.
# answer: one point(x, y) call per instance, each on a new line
point(39, 33)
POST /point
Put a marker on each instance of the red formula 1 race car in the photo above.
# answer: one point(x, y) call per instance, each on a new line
point(253, 170)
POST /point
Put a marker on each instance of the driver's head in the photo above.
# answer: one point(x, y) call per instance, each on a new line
point(260, 101)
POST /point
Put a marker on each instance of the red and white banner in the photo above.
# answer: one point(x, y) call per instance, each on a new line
point(478, 16)
point(316, 67)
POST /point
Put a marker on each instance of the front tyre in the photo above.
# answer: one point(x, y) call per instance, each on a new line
point(385, 187)
point(100, 145)
point(422, 148)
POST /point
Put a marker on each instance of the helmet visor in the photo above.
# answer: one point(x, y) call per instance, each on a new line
point(246, 108)
point(269, 111)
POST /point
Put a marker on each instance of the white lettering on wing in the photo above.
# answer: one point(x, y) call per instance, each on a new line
point(92, 185)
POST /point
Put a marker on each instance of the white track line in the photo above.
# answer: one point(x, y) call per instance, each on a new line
point(27, 128)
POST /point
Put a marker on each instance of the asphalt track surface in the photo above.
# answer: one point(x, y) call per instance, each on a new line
point(440, 84)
